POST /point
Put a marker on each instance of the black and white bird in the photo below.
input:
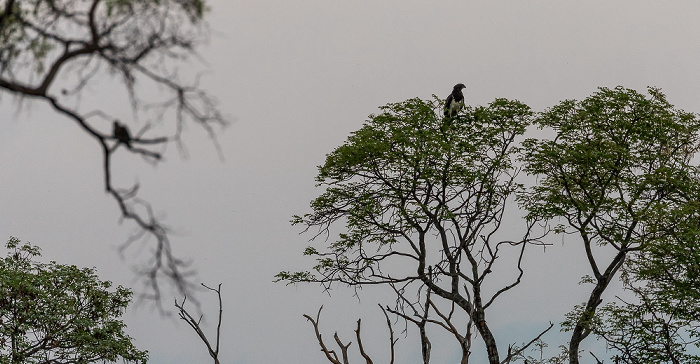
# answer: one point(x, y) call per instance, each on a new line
point(121, 133)
point(455, 101)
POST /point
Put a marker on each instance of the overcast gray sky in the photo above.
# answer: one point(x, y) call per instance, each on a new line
point(297, 77)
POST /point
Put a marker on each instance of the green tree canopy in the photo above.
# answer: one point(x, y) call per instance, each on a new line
point(661, 322)
point(53, 313)
point(618, 174)
point(421, 200)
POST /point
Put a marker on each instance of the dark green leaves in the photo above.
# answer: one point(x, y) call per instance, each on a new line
point(59, 313)
point(619, 173)
point(406, 171)
point(618, 156)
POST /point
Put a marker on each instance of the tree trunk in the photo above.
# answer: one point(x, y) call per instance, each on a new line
point(465, 351)
point(582, 329)
point(484, 331)
point(425, 343)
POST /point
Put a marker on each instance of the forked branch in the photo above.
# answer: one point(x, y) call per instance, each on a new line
point(195, 323)
point(332, 356)
point(58, 48)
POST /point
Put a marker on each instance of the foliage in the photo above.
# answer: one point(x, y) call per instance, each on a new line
point(53, 313)
point(648, 332)
point(618, 173)
point(406, 172)
point(618, 157)
point(660, 323)
point(421, 199)
point(125, 28)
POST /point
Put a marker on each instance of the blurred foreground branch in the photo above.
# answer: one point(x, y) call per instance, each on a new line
point(60, 52)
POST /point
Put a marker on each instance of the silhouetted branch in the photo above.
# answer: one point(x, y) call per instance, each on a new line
point(343, 348)
point(392, 341)
point(332, 356)
point(195, 323)
point(514, 353)
point(138, 41)
point(596, 358)
point(359, 344)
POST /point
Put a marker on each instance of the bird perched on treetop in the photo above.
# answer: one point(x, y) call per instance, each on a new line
point(121, 133)
point(455, 101)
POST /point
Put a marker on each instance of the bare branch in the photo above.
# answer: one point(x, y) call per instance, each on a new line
point(195, 323)
point(392, 341)
point(367, 358)
point(596, 358)
point(139, 41)
point(330, 354)
point(512, 354)
point(343, 348)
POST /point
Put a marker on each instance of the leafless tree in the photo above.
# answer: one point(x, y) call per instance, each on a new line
point(56, 51)
point(332, 356)
point(195, 323)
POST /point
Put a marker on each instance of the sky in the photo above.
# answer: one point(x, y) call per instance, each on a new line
point(295, 79)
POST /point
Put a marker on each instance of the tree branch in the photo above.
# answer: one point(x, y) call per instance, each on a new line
point(195, 323)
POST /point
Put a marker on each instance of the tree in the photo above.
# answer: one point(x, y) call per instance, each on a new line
point(661, 322)
point(616, 172)
point(212, 349)
point(422, 200)
point(53, 313)
point(52, 51)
